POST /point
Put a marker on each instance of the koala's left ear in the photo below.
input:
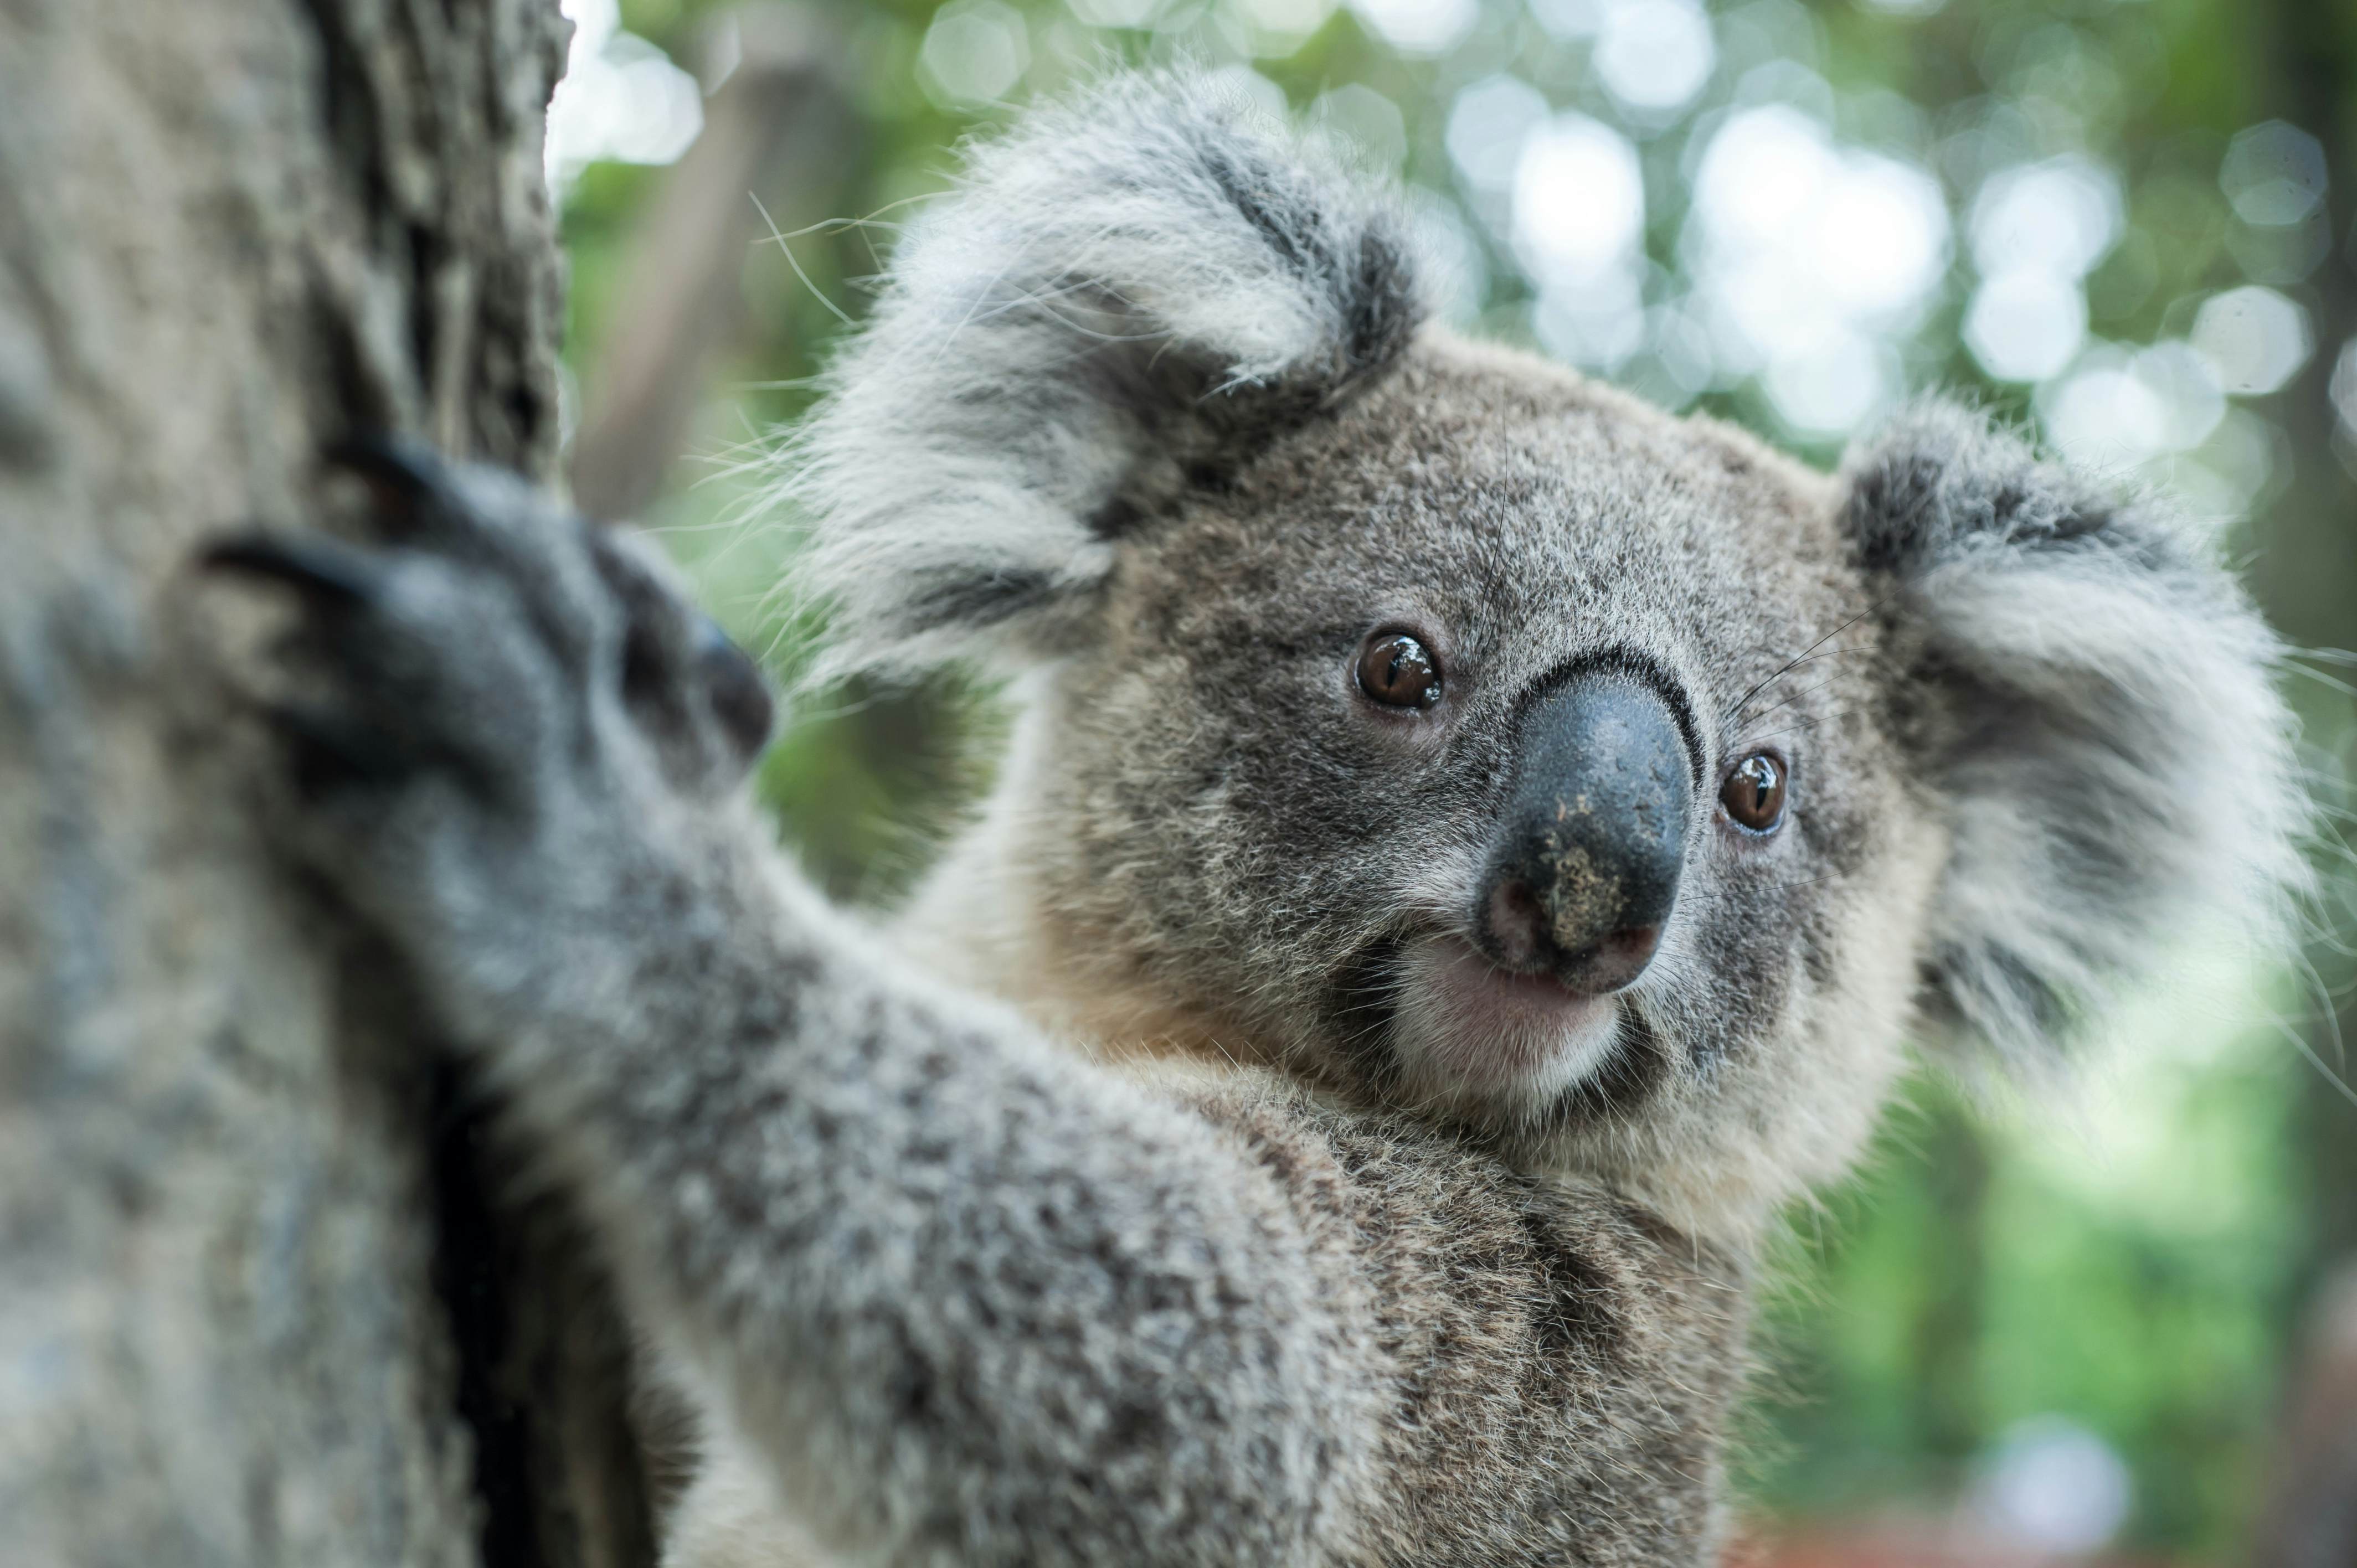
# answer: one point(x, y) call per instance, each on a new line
point(1126, 295)
point(2091, 699)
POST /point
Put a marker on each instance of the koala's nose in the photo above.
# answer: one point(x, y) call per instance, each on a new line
point(1584, 867)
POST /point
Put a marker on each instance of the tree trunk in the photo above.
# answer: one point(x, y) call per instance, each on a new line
point(262, 1298)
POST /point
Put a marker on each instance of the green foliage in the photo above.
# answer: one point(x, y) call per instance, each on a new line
point(1990, 1269)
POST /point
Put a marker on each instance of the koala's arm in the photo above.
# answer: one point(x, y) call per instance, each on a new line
point(971, 1299)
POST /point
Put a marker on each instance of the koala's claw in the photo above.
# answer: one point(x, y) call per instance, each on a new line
point(328, 751)
point(481, 690)
point(328, 745)
point(314, 566)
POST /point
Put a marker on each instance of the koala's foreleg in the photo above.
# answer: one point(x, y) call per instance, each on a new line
point(973, 1301)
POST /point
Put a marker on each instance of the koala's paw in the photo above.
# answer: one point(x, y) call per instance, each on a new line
point(489, 708)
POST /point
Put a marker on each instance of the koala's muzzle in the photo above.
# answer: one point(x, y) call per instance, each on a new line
point(1585, 868)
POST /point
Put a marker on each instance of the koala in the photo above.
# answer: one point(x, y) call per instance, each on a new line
point(1472, 847)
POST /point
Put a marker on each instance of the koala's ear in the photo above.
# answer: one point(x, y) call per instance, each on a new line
point(1123, 297)
point(2091, 699)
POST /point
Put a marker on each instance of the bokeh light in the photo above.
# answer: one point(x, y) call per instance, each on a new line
point(621, 98)
point(2026, 325)
point(2274, 175)
point(2343, 389)
point(1488, 123)
point(1654, 56)
point(1369, 124)
point(2257, 338)
point(1420, 27)
point(2037, 230)
point(2123, 407)
point(1806, 257)
point(1579, 202)
point(1115, 13)
point(1278, 27)
point(974, 53)
point(2053, 1489)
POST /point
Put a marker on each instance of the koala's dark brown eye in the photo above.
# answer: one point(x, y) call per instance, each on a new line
point(1753, 796)
point(1396, 671)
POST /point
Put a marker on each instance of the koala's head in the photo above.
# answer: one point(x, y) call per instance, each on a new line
point(1475, 738)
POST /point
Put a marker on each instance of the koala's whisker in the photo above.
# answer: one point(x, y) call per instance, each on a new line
point(1743, 702)
point(2322, 679)
point(2339, 1084)
point(2318, 920)
point(863, 227)
point(1755, 718)
point(760, 449)
point(838, 225)
point(2331, 1014)
point(795, 262)
point(1044, 299)
point(784, 383)
point(2327, 840)
point(2317, 780)
point(2337, 993)
point(1795, 728)
point(1806, 691)
point(949, 338)
point(2322, 937)
point(974, 311)
point(1808, 660)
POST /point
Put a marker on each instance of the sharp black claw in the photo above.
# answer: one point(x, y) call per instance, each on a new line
point(314, 566)
point(397, 460)
point(328, 750)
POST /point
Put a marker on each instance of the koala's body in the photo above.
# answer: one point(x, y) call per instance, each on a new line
point(1474, 846)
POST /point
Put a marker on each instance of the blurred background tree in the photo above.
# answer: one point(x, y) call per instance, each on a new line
point(2065, 1327)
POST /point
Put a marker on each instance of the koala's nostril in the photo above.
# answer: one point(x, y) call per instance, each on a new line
point(1616, 961)
point(1517, 925)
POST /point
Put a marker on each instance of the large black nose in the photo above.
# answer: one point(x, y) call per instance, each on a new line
point(1585, 868)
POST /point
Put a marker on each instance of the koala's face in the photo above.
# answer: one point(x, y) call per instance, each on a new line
point(1505, 750)
point(1472, 738)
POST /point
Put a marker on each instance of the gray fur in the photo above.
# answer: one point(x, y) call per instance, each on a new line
point(1149, 1192)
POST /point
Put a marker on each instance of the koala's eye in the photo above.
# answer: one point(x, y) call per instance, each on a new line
point(1396, 670)
point(1753, 795)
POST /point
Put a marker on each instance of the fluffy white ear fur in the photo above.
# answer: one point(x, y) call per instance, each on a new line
point(2099, 715)
point(1121, 297)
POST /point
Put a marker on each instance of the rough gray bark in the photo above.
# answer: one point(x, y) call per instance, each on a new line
point(260, 1299)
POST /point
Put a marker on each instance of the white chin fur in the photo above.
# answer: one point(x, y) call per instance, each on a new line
point(1470, 1036)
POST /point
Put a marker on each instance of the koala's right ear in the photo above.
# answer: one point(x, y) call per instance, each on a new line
point(2091, 698)
point(1124, 296)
